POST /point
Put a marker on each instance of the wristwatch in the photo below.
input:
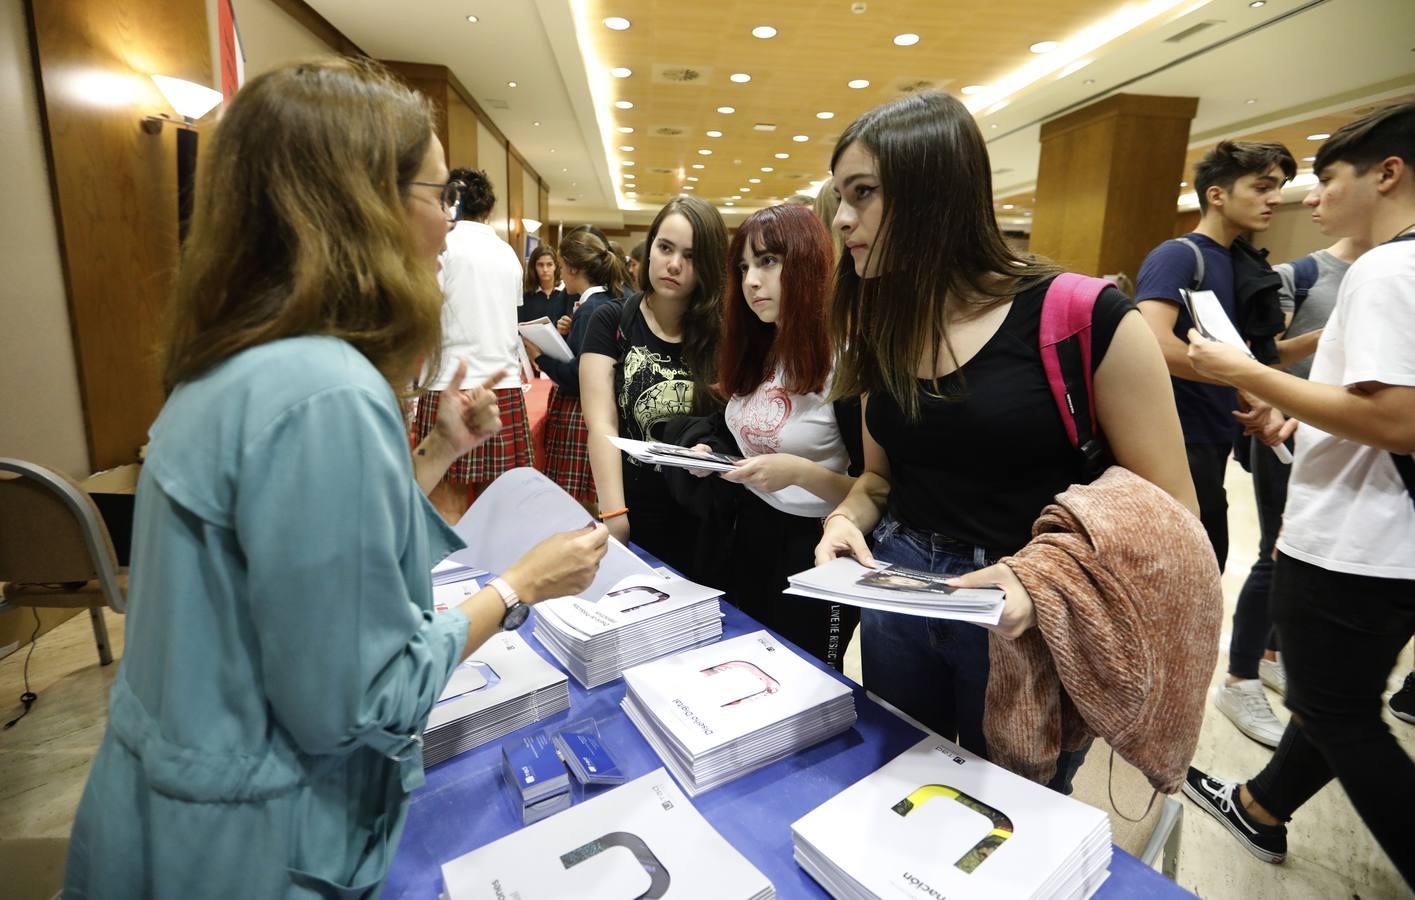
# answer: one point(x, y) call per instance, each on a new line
point(516, 611)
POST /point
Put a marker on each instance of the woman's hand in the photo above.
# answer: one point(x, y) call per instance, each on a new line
point(468, 417)
point(769, 472)
point(843, 538)
point(701, 473)
point(561, 565)
point(562, 326)
point(1018, 614)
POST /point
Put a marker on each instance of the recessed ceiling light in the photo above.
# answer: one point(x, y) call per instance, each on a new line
point(745, 190)
point(764, 32)
point(552, 149)
point(993, 125)
point(623, 104)
point(699, 166)
point(510, 84)
point(857, 83)
point(754, 181)
point(563, 170)
point(728, 203)
point(617, 23)
point(689, 187)
point(629, 176)
point(973, 88)
point(1309, 159)
point(783, 156)
point(536, 124)
point(1183, 184)
point(1043, 46)
point(825, 115)
point(473, 19)
point(621, 72)
point(1320, 136)
point(626, 162)
point(800, 138)
point(1257, 3)
point(726, 110)
point(768, 169)
point(627, 148)
point(691, 178)
point(1008, 206)
point(1251, 100)
point(740, 77)
point(905, 40)
point(625, 129)
point(705, 152)
point(714, 134)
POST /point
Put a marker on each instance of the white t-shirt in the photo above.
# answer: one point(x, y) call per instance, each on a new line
point(481, 285)
point(1347, 508)
point(772, 420)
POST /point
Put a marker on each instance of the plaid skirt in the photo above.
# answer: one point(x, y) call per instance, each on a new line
point(567, 457)
point(510, 448)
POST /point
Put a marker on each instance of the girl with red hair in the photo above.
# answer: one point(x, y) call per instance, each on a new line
point(774, 363)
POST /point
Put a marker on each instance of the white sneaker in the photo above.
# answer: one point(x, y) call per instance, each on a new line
point(1246, 706)
point(1271, 673)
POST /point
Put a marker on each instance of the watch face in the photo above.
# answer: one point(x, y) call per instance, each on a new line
point(515, 616)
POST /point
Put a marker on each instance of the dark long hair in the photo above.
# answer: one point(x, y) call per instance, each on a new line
point(938, 239)
point(702, 321)
point(751, 348)
point(532, 276)
point(586, 250)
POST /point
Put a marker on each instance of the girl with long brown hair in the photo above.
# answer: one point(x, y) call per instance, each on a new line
point(282, 651)
point(937, 324)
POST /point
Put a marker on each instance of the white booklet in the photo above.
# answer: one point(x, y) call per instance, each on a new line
point(1210, 319)
point(898, 589)
point(633, 600)
point(938, 816)
point(519, 510)
point(546, 337)
point(641, 839)
point(712, 696)
point(660, 454)
point(505, 668)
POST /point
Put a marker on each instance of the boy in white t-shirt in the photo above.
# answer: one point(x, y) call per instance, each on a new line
point(1343, 596)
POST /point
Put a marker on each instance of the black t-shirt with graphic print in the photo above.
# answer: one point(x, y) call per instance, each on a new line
point(654, 384)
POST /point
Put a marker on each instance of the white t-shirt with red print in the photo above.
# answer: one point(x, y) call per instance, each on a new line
point(773, 420)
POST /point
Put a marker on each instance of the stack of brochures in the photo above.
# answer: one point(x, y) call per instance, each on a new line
point(537, 777)
point(643, 617)
point(938, 821)
point(505, 685)
point(716, 713)
point(450, 570)
point(660, 454)
point(898, 589)
point(642, 839)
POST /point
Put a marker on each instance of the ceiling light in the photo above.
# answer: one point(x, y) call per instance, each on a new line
point(1043, 46)
point(1008, 206)
point(617, 23)
point(754, 181)
point(473, 19)
point(905, 40)
point(1320, 136)
point(1089, 81)
point(800, 138)
point(552, 149)
point(623, 104)
point(768, 169)
point(691, 178)
point(1251, 100)
point(510, 84)
point(627, 149)
point(629, 176)
point(726, 110)
point(764, 32)
point(857, 83)
point(705, 152)
point(740, 77)
point(745, 190)
point(625, 129)
point(1309, 159)
point(699, 166)
point(1184, 184)
point(621, 72)
point(973, 88)
point(783, 156)
point(1257, 3)
point(563, 170)
point(728, 203)
point(736, 196)
point(689, 187)
point(993, 125)
point(536, 124)
point(626, 162)
point(825, 115)
point(714, 134)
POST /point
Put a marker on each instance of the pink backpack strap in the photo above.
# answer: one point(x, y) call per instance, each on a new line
point(1066, 313)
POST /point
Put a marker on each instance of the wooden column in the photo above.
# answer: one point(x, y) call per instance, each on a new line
point(1107, 182)
point(515, 204)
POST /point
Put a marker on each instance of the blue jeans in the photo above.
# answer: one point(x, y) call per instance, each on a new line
point(936, 670)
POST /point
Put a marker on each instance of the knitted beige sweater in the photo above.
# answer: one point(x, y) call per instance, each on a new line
point(1128, 606)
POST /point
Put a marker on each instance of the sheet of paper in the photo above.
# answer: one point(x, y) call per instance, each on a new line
point(547, 339)
point(522, 508)
point(673, 455)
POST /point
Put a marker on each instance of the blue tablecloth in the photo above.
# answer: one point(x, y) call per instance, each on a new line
point(465, 803)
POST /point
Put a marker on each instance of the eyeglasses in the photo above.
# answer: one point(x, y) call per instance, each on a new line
point(452, 195)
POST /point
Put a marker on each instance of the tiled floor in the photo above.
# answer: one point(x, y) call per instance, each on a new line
point(45, 758)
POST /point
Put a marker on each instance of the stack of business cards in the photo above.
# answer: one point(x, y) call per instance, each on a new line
point(584, 751)
point(505, 685)
point(536, 775)
point(716, 713)
point(897, 589)
point(642, 617)
point(938, 821)
point(642, 839)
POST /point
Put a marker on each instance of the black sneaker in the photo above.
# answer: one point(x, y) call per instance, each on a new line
point(1402, 702)
point(1220, 800)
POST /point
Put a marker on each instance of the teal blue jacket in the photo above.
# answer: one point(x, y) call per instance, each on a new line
point(281, 650)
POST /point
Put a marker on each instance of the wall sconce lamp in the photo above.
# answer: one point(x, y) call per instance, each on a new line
point(530, 225)
point(189, 99)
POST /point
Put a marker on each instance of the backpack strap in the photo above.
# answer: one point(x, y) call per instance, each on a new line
point(1066, 356)
point(628, 309)
point(1198, 282)
point(1304, 275)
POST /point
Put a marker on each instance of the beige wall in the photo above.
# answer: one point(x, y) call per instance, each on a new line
point(41, 413)
point(269, 37)
point(1292, 234)
point(491, 159)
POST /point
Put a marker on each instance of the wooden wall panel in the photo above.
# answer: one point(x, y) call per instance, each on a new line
point(461, 134)
point(115, 192)
point(546, 235)
point(515, 203)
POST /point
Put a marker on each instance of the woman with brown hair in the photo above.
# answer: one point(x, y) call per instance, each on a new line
point(963, 442)
point(649, 358)
point(282, 649)
point(595, 275)
point(542, 298)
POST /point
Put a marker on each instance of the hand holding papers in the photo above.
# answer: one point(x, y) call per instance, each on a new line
point(659, 454)
point(898, 589)
point(543, 334)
